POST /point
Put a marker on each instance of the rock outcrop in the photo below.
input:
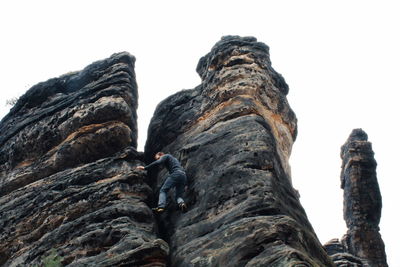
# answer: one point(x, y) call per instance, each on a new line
point(340, 256)
point(233, 135)
point(362, 201)
point(67, 182)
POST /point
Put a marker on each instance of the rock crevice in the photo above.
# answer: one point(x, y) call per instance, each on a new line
point(68, 181)
point(233, 135)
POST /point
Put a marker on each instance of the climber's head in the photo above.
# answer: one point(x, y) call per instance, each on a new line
point(158, 155)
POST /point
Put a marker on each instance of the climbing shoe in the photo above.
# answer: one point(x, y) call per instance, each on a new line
point(182, 207)
point(158, 209)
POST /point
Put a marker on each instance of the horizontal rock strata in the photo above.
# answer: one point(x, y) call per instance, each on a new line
point(340, 256)
point(67, 182)
point(233, 135)
point(362, 201)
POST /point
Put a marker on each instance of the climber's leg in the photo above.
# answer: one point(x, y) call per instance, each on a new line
point(162, 198)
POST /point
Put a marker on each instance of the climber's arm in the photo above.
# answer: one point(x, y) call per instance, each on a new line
point(156, 163)
point(153, 164)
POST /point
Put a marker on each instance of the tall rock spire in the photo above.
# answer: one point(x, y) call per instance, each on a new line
point(233, 135)
point(362, 200)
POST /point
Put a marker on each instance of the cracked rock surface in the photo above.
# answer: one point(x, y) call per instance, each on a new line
point(67, 182)
point(233, 134)
point(362, 200)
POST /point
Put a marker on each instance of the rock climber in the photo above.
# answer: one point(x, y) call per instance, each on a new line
point(176, 178)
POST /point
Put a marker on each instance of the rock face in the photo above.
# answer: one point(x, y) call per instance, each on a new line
point(340, 256)
point(233, 135)
point(362, 201)
point(67, 182)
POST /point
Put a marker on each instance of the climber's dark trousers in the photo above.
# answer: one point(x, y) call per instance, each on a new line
point(176, 179)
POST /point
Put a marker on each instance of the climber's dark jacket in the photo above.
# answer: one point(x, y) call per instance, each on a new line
point(171, 163)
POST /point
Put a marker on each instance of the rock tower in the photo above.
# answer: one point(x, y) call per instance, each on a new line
point(69, 186)
point(234, 134)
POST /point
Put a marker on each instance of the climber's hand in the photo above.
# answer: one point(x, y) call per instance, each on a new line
point(140, 168)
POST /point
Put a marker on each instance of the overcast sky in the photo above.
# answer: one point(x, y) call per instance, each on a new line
point(340, 59)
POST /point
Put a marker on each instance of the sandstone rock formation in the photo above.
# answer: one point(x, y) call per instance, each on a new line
point(362, 201)
point(340, 256)
point(68, 182)
point(234, 134)
point(66, 179)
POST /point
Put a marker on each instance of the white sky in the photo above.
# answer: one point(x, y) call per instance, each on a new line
point(340, 59)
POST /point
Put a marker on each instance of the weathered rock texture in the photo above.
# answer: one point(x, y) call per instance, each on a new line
point(234, 134)
point(67, 151)
point(340, 256)
point(68, 183)
point(362, 201)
